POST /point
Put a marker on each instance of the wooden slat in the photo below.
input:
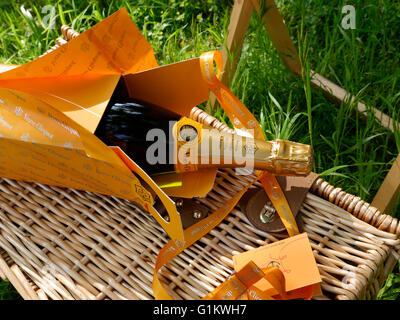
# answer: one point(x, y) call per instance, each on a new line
point(239, 23)
point(231, 51)
point(279, 35)
point(388, 194)
point(338, 94)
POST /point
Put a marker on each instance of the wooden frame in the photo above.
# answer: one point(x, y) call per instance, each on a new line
point(388, 194)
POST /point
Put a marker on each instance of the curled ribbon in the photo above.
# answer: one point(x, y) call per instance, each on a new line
point(240, 285)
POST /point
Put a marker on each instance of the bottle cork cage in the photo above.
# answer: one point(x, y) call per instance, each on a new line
point(60, 243)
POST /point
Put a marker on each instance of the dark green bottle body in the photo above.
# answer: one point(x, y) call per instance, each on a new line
point(130, 124)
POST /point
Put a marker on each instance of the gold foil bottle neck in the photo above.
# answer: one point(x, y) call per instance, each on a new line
point(204, 146)
point(291, 158)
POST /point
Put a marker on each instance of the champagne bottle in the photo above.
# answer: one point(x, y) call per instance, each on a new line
point(189, 145)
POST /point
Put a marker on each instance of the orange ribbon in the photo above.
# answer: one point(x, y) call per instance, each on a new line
point(278, 199)
point(242, 119)
point(191, 235)
point(241, 286)
point(237, 113)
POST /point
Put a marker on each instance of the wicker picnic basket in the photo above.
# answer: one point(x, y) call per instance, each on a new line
point(58, 243)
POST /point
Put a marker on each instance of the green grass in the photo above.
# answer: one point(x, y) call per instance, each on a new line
point(7, 291)
point(350, 152)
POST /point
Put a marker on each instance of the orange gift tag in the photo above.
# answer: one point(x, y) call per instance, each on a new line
point(293, 256)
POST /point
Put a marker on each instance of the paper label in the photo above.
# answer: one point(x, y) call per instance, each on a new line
point(293, 256)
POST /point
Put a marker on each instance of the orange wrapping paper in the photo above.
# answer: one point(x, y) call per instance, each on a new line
point(50, 107)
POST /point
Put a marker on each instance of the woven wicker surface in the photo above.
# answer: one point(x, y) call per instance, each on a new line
point(60, 243)
point(67, 244)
